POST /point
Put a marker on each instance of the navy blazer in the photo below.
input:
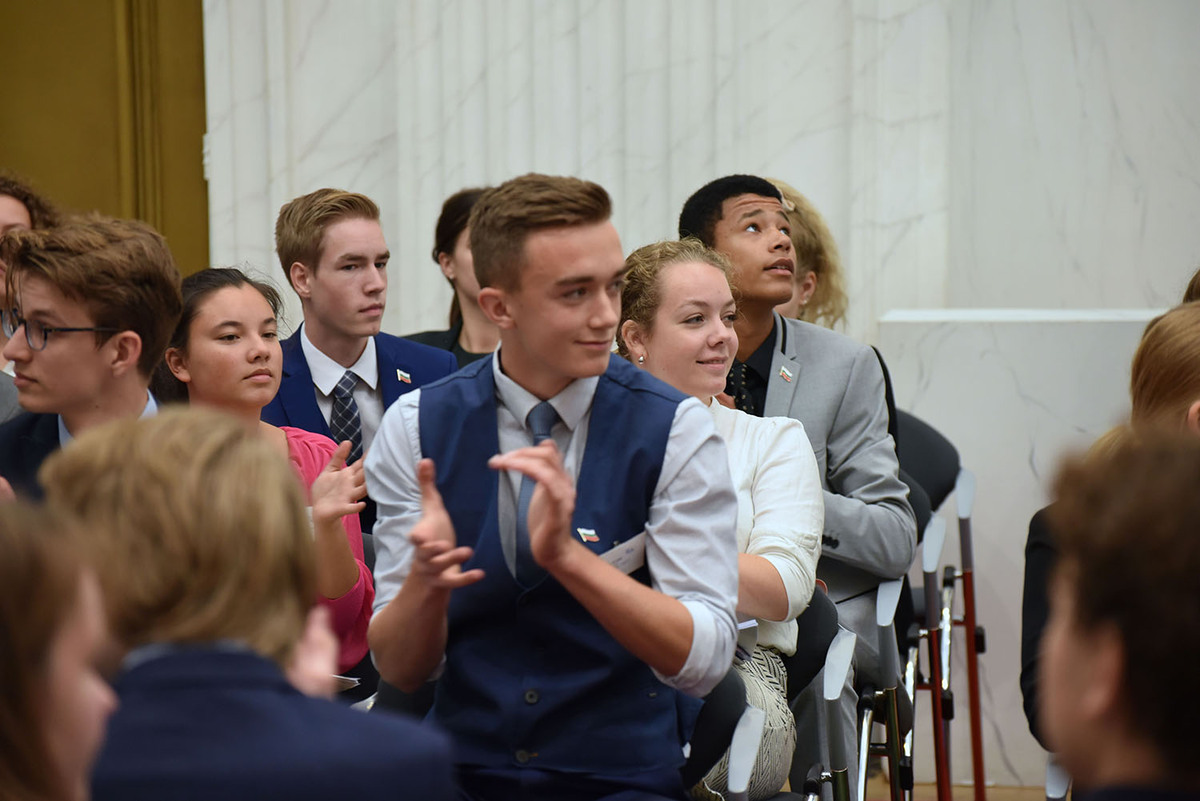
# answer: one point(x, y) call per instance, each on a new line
point(25, 442)
point(296, 402)
point(203, 724)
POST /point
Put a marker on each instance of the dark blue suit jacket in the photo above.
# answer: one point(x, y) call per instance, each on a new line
point(296, 402)
point(205, 724)
point(25, 442)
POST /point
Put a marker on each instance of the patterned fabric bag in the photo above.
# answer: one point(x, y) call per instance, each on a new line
point(766, 688)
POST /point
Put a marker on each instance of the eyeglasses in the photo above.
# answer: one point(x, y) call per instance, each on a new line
point(36, 334)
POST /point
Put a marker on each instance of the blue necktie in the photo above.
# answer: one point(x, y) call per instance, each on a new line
point(344, 423)
point(540, 420)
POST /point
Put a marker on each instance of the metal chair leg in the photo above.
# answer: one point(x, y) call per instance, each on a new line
point(837, 667)
point(931, 555)
point(946, 636)
point(866, 718)
point(964, 494)
point(910, 685)
point(894, 746)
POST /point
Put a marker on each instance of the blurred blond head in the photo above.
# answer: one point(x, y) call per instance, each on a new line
point(816, 254)
point(197, 531)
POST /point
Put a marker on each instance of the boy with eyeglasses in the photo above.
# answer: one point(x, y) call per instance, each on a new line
point(91, 305)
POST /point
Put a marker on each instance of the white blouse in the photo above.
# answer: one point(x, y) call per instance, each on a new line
point(781, 507)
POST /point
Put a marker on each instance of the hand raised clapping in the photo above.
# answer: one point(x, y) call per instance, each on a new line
point(553, 501)
point(437, 560)
point(339, 489)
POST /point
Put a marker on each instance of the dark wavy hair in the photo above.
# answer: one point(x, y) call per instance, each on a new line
point(456, 213)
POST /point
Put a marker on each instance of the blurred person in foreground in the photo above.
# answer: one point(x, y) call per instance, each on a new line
point(1164, 392)
point(54, 700)
point(1120, 650)
point(205, 556)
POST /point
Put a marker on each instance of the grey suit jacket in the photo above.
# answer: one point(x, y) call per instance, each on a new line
point(834, 386)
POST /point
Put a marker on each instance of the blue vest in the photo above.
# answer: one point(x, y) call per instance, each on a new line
point(531, 678)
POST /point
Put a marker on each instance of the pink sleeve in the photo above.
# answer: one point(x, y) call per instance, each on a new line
point(309, 453)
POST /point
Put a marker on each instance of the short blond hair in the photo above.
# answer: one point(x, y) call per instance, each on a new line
point(196, 529)
point(300, 227)
point(641, 294)
point(506, 216)
point(1165, 374)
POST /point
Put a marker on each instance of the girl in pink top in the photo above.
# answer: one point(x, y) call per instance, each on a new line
point(226, 353)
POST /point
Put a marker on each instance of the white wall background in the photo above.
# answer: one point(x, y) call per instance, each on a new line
point(968, 154)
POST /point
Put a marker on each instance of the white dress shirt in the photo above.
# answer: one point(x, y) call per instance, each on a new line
point(690, 530)
point(781, 508)
point(326, 373)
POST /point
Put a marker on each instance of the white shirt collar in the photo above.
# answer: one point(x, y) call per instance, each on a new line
point(571, 404)
point(326, 373)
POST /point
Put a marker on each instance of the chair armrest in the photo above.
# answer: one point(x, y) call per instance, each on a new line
point(931, 548)
point(743, 752)
point(837, 669)
point(964, 493)
point(886, 599)
point(1057, 780)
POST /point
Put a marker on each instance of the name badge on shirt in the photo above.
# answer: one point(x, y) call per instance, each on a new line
point(629, 555)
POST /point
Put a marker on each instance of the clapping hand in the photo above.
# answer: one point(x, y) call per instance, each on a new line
point(339, 488)
point(553, 501)
point(438, 559)
point(314, 661)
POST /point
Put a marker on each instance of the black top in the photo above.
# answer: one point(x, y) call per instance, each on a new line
point(447, 340)
point(25, 442)
point(1040, 555)
point(758, 371)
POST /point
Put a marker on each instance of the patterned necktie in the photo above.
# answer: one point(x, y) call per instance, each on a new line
point(741, 392)
point(344, 422)
point(540, 420)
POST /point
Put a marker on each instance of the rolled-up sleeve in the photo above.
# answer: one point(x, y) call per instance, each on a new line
point(789, 508)
point(691, 544)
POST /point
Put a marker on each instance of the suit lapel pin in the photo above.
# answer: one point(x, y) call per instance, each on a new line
point(404, 377)
point(587, 534)
point(785, 374)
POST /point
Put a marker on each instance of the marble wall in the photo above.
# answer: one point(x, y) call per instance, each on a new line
point(968, 154)
point(1076, 153)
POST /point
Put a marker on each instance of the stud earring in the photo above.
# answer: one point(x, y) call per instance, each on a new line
point(641, 359)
